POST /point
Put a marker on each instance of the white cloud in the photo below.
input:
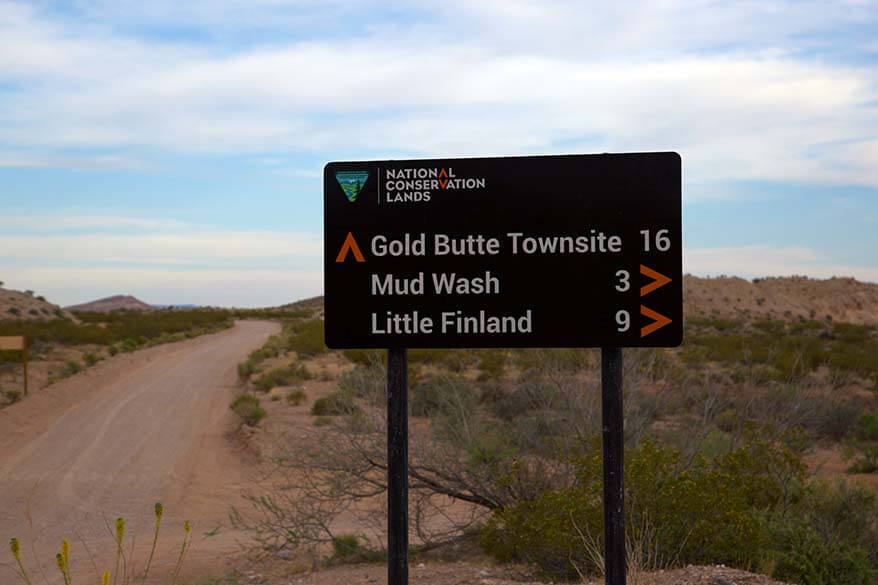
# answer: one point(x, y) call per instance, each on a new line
point(167, 249)
point(762, 260)
point(460, 87)
point(48, 222)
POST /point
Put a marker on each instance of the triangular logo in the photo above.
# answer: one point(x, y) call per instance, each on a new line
point(352, 182)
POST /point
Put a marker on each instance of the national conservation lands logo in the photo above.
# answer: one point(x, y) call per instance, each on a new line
point(408, 185)
point(352, 183)
point(421, 184)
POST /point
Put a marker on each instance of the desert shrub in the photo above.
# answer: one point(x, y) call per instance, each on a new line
point(110, 328)
point(439, 394)
point(851, 333)
point(491, 364)
point(710, 512)
point(349, 548)
point(863, 445)
point(565, 360)
point(113, 350)
point(272, 314)
point(247, 407)
point(296, 397)
point(366, 382)
point(246, 369)
point(128, 345)
point(334, 404)
point(835, 418)
point(532, 393)
point(449, 358)
point(801, 556)
point(365, 357)
point(293, 373)
point(12, 396)
point(71, 367)
point(91, 359)
point(306, 338)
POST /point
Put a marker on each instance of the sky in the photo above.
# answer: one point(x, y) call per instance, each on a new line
point(174, 150)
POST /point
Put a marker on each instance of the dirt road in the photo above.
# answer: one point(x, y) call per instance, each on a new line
point(140, 428)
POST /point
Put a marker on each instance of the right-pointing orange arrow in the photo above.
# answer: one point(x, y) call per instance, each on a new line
point(659, 280)
point(659, 321)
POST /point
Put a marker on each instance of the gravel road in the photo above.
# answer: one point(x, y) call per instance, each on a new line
point(139, 428)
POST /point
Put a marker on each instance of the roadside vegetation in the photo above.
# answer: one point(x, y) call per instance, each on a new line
point(720, 438)
point(125, 570)
point(97, 336)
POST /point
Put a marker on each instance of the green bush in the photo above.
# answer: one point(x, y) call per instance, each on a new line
point(863, 446)
point(345, 546)
point(365, 382)
point(365, 357)
point(293, 373)
point(441, 394)
point(335, 404)
point(306, 338)
point(712, 511)
point(110, 328)
point(801, 556)
point(70, 368)
point(248, 408)
point(246, 369)
point(296, 397)
point(91, 359)
point(491, 364)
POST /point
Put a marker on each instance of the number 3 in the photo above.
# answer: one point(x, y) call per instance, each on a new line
point(624, 280)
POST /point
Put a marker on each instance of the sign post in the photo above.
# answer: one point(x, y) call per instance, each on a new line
point(612, 438)
point(17, 343)
point(546, 251)
point(397, 467)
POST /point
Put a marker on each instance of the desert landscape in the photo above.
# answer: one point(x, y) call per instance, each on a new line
point(244, 424)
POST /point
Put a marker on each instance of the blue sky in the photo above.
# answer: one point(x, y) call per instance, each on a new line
point(173, 150)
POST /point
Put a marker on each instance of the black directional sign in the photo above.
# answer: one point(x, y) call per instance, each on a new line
point(546, 251)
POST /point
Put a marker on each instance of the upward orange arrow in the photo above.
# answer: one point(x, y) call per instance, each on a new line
point(350, 245)
point(659, 280)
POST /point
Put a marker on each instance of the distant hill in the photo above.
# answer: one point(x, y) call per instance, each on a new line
point(22, 306)
point(783, 298)
point(115, 303)
point(313, 304)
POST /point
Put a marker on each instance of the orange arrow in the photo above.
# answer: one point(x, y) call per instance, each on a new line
point(659, 321)
point(350, 245)
point(659, 280)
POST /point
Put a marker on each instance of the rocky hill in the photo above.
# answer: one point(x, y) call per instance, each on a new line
point(114, 303)
point(788, 298)
point(16, 305)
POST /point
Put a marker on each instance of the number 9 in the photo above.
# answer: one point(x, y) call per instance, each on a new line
point(623, 320)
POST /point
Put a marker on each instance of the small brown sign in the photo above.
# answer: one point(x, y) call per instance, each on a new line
point(12, 343)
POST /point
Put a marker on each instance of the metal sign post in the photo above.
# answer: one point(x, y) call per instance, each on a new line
point(613, 441)
point(397, 467)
